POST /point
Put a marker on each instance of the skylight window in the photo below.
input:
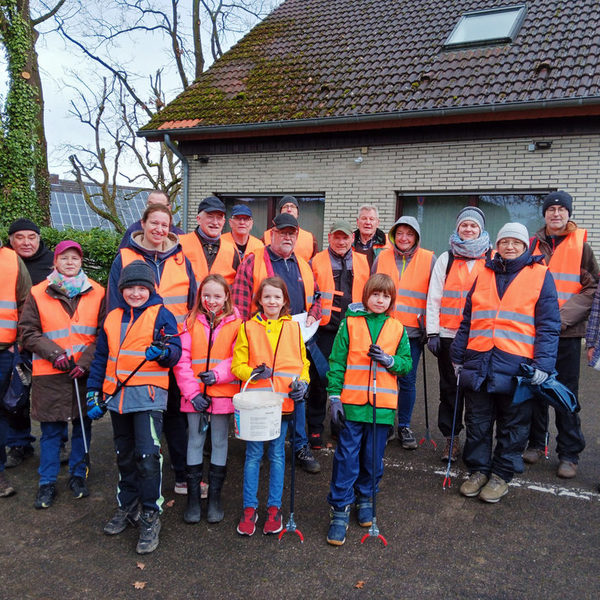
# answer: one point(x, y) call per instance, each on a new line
point(487, 27)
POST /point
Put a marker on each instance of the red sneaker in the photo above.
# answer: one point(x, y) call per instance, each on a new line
point(247, 524)
point(273, 523)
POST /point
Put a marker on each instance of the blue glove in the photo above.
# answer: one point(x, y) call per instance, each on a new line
point(156, 353)
point(298, 390)
point(208, 377)
point(434, 344)
point(262, 372)
point(336, 411)
point(538, 377)
point(95, 408)
point(200, 402)
point(378, 355)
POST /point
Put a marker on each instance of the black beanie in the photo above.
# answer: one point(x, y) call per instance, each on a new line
point(287, 200)
point(561, 198)
point(137, 273)
point(23, 225)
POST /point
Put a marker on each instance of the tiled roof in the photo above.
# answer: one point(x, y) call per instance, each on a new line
point(314, 59)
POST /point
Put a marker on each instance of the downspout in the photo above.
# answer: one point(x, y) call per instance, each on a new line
point(186, 176)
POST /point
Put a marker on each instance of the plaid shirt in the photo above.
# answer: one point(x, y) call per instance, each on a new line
point(593, 328)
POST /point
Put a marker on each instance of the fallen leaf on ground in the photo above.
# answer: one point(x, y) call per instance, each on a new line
point(359, 585)
point(140, 566)
point(139, 585)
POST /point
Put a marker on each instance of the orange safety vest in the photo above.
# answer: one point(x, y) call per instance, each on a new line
point(321, 267)
point(73, 334)
point(304, 243)
point(261, 272)
point(222, 265)
point(508, 323)
point(174, 282)
point(220, 350)
point(457, 286)
point(358, 378)
point(411, 294)
point(9, 315)
point(286, 362)
point(565, 264)
point(125, 356)
point(253, 243)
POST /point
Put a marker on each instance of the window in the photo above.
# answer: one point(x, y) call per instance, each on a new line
point(487, 27)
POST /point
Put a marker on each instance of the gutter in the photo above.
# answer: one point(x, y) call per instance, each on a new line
point(186, 177)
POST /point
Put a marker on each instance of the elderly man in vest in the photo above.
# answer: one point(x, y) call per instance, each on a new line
point(279, 258)
point(13, 293)
point(571, 261)
point(368, 238)
point(340, 273)
point(205, 248)
point(241, 223)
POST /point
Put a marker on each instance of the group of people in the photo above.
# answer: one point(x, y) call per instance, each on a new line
point(187, 318)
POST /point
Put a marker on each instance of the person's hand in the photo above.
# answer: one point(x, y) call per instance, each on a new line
point(538, 377)
point(310, 319)
point(61, 362)
point(95, 408)
point(200, 402)
point(262, 372)
point(76, 372)
point(457, 369)
point(208, 377)
point(590, 353)
point(156, 353)
point(434, 343)
point(298, 390)
point(336, 410)
point(378, 355)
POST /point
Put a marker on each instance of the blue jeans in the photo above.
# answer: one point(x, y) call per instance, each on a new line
point(276, 454)
point(300, 419)
point(6, 359)
point(3, 436)
point(51, 440)
point(408, 386)
point(18, 438)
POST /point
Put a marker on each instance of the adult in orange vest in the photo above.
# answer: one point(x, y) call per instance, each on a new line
point(510, 317)
point(410, 267)
point(241, 223)
point(306, 243)
point(571, 261)
point(368, 238)
point(451, 280)
point(341, 274)
point(59, 326)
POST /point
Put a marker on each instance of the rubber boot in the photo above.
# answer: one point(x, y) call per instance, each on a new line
point(216, 477)
point(193, 511)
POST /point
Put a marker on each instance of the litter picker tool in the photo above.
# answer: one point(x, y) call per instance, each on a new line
point(86, 456)
point(204, 418)
point(447, 480)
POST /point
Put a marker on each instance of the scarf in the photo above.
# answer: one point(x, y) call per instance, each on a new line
point(469, 248)
point(69, 286)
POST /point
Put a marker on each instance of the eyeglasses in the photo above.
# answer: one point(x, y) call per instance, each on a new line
point(286, 234)
point(511, 243)
point(556, 210)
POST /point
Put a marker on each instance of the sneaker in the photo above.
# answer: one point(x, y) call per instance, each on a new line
point(16, 455)
point(247, 524)
point(149, 526)
point(455, 450)
point(122, 518)
point(181, 488)
point(273, 523)
point(203, 490)
point(472, 486)
point(6, 489)
point(494, 489)
point(567, 469)
point(307, 461)
point(407, 438)
point(78, 487)
point(364, 507)
point(315, 441)
point(45, 495)
point(338, 525)
point(532, 455)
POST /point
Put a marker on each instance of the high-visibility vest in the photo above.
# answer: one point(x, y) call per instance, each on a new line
point(321, 267)
point(457, 286)
point(565, 264)
point(253, 243)
point(220, 350)
point(508, 323)
point(124, 357)
point(222, 265)
point(174, 283)
point(411, 288)
point(9, 315)
point(261, 272)
point(73, 334)
point(358, 378)
point(304, 243)
point(286, 362)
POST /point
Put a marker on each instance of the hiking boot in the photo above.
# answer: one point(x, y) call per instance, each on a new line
point(122, 518)
point(532, 455)
point(6, 489)
point(566, 469)
point(407, 438)
point(247, 524)
point(216, 478)
point(149, 526)
point(45, 495)
point(181, 488)
point(316, 441)
point(364, 507)
point(494, 489)
point(307, 461)
point(273, 523)
point(455, 449)
point(78, 487)
point(16, 455)
point(338, 525)
point(472, 486)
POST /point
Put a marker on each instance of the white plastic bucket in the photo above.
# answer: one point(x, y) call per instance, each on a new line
point(257, 414)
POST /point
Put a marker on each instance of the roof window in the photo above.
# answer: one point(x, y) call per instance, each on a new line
point(487, 27)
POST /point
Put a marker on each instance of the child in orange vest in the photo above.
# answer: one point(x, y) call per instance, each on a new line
point(270, 346)
point(370, 351)
point(207, 386)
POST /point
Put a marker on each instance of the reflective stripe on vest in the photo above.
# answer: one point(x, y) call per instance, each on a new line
point(323, 273)
point(565, 264)
point(73, 334)
point(8, 296)
point(253, 244)
point(358, 378)
point(508, 323)
point(304, 243)
point(222, 265)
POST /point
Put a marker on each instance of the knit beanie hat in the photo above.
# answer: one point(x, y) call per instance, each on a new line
point(561, 198)
point(23, 225)
point(137, 273)
point(514, 230)
point(287, 200)
point(471, 213)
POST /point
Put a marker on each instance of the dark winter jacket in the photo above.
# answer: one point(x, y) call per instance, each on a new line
point(498, 368)
point(39, 265)
point(376, 244)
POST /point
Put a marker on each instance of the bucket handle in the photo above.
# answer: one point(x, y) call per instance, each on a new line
point(250, 379)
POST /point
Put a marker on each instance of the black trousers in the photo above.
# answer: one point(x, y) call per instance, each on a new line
point(448, 392)
point(175, 429)
point(316, 407)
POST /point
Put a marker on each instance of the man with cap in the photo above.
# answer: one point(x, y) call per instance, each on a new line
point(410, 267)
point(306, 243)
point(205, 248)
point(368, 238)
point(341, 274)
point(241, 223)
point(571, 261)
point(279, 258)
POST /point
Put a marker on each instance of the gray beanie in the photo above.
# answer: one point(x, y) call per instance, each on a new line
point(514, 230)
point(137, 272)
point(411, 222)
point(471, 213)
point(287, 200)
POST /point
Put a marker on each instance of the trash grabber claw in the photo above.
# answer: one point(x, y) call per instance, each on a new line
point(447, 476)
point(86, 456)
point(427, 436)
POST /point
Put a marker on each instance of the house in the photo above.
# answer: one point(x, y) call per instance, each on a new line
point(417, 106)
